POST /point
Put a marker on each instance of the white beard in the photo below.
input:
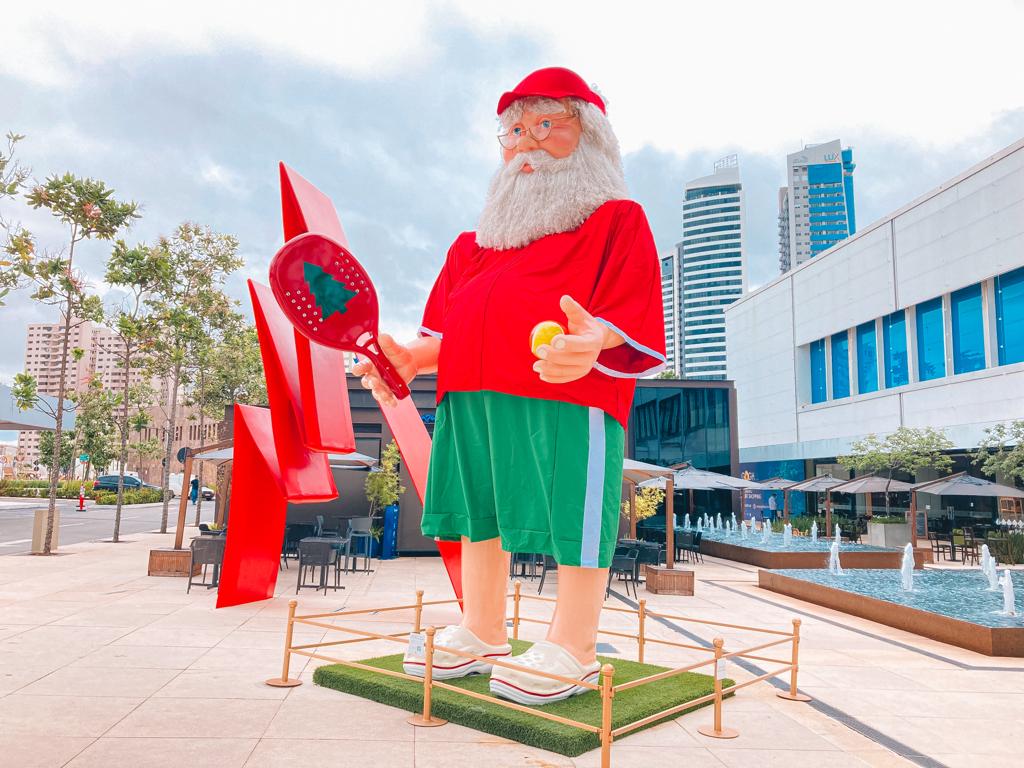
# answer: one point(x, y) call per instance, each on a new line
point(558, 196)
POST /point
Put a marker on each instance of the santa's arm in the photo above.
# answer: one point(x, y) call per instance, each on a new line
point(410, 360)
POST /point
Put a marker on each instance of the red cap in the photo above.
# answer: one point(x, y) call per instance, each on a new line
point(552, 83)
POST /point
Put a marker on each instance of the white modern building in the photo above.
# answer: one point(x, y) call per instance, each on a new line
point(710, 269)
point(917, 321)
point(816, 210)
point(671, 309)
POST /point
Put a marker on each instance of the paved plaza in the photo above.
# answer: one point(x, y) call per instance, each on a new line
point(101, 665)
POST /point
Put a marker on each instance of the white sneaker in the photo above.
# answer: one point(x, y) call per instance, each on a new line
point(525, 688)
point(448, 666)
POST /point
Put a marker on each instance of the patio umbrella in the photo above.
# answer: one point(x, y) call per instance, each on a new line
point(353, 459)
point(960, 484)
point(818, 484)
point(635, 472)
point(869, 484)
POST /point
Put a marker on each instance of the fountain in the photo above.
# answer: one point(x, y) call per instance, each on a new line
point(700, 525)
point(834, 566)
point(814, 531)
point(686, 521)
point(988, 569)
point(839, 534)
point(787, 534)
point(766, 532)
point(743, 529)
point(1009, 599)
point(718, 521)
point(907, 569)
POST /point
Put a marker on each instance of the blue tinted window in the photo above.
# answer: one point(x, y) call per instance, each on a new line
point(894, 344)
point(819, 390)
point(867, 358)
point(1010, 316)
point(931, 349)
point(841, 365)
point(968, 329)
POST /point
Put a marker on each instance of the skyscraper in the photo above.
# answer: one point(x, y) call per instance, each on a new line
point(816, 210)
point(671, 310)
point(711, 267)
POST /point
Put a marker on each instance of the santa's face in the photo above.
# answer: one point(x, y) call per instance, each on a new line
point(562, 131)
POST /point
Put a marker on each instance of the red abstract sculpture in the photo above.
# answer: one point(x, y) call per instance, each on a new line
point(280, 456)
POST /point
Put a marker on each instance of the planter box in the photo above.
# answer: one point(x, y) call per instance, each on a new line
point(669, 581)
point(890, 536)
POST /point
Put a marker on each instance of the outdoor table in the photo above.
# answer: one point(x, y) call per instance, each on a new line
point(340, 544)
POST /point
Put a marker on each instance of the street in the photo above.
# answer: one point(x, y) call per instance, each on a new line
point(95, 523)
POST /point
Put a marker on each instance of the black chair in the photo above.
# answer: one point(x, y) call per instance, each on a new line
point(206, 551)
point(317, 554)
point(319, 530)
point(938, 546)
point(359, 533)
point(649, 554)
point(625, 567)
point(694, 547)
point(523, 565)
point(549, 565)
point(684, 545)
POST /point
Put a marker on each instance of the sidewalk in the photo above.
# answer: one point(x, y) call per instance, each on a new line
point(101, 665)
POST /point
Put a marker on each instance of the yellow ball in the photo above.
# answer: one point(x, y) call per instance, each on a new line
point(543, 333)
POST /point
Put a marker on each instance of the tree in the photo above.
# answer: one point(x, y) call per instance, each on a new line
point(197, 262)
point(1001, 451)
point(647, 502)
point(138, 271)
point(668, 373)
point(382, 484)
point(88, 208)
point(237, 370)
point(94, 424)
point(66, 459)
point(13, 176)
point(907, 449)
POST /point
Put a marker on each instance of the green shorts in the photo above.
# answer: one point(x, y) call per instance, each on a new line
point(543, 475)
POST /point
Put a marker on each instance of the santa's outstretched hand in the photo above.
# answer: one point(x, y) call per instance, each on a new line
point(571, 356)
point(419, 356)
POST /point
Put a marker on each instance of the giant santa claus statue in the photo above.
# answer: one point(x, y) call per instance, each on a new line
point(529, 435)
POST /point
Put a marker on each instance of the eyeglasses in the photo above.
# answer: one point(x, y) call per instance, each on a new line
point(539, 132)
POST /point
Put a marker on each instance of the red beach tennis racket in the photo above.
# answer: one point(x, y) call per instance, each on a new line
point(329, 298)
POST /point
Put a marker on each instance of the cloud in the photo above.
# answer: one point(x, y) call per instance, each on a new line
point(192, 122)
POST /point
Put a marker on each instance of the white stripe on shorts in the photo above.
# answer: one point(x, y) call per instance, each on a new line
point(593, 504)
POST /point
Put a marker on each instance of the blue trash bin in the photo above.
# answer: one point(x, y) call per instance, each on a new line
point(389, 541)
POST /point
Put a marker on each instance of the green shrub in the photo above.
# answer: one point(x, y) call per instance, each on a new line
point(141, 496)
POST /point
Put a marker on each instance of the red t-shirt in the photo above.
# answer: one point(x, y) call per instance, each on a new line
point(485, 302)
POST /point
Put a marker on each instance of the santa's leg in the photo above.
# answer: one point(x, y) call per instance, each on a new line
point(578, 610)
point(484, 589)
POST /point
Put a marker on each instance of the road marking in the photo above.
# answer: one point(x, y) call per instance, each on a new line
point(12, 543)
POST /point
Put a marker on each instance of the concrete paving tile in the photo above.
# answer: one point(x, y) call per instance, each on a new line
point(12, 679)
point(96, 681)
point(164, 753)
point(342, 719)
point(438, 754)
point(188, 718)
point(209, 684)
point(33, 752)
point(43, 716)
point(141, 657)
point(243, 638)
point(112, 615)
point(330, 753)
point(758, 730)
point(883, 758)
point(627, 755)
point(784, 758)
point(196, 637)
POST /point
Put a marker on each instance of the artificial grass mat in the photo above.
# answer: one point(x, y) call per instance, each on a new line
point(627, 706)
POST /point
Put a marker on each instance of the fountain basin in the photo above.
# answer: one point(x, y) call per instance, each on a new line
point(950, 606)
point(802, 552)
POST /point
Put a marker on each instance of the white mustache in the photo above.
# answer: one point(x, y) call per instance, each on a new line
point(538, 159)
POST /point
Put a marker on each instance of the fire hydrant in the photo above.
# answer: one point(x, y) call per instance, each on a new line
point(81, 497)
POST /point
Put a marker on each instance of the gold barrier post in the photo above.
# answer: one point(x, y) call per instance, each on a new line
point(419, 611)
point(283, 681)
point(641, 638)
point(716, 731)
point(425, 720)
point(793, 694)
point(515, 610)
point(607, 672)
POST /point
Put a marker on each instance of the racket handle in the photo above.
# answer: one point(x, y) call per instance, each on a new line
point(388, 374)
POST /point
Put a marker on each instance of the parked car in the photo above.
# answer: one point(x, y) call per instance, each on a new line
point(109, 483)
point(208, 493)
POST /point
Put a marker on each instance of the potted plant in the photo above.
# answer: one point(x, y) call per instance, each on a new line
point(890, 531)
point(383, 490)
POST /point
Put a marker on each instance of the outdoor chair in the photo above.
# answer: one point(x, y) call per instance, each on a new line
point(319, 530)
point(649, 554)
point(549, 565)
point(314, 555)
point(694, 547)
point(970, 546)
point(684, 545)
point(623, 566)
point(205, 551)
point(523, 565)
point(938, 546)
point(359, 534)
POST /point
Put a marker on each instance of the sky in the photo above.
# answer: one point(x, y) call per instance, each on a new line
point(389, 108)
